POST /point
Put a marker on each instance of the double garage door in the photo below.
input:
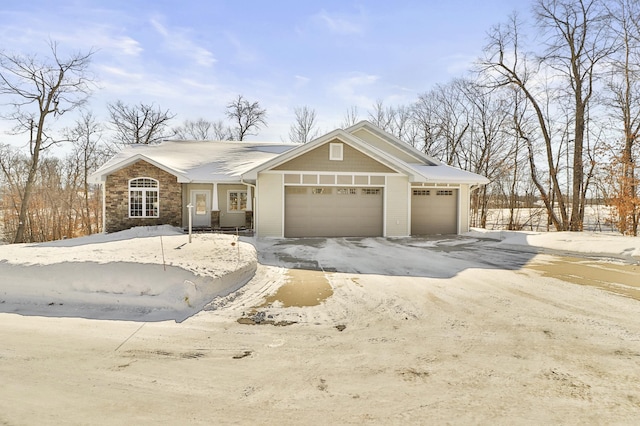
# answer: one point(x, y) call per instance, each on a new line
point(434, 211)
point(324, 211)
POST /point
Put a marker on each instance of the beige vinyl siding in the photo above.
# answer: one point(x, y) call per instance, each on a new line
point(186, 198)
point(380, 143)
point(234, 218)
point(397, 206)
point(269, 193)
point(318, 160)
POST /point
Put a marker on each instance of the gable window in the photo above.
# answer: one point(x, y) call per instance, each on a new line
point(143, 197)
point(236, 201)
point(335, 151)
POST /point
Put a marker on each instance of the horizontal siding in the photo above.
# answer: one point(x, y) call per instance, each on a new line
point(317, 160)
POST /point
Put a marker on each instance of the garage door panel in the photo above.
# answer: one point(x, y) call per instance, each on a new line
point(434, 211)
point(333, 212)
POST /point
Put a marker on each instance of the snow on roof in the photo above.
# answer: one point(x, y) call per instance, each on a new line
point(447, 174)
point(199, 161)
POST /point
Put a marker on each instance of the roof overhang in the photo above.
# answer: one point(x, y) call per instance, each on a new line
point(343, 136)
point(101, 174)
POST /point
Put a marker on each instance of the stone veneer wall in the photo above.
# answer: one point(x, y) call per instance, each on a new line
point(117, 198)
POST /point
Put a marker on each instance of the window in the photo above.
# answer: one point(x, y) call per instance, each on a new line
point(321, 191)
point(143, 197)
point(237, 201)
point(201, 204)
point(444, 192)
point(335, 151)
point(347, 191)
point(370, 191)
point(421, 192)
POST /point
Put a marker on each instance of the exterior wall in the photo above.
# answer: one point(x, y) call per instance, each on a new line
point(231, 219)
point(117, 198)
point(383, 145)
point(186, 199)
point(397, 206)
point(269, 198)
point(464, 209)
point(318, 160)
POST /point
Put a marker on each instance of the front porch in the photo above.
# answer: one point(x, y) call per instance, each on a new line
point(217, 206)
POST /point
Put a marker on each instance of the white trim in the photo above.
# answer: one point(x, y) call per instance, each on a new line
point(282, 207)
point(143, 190)
point(100, 175)
point(336, 151)
point(239, 191)
point(215, 206)
point(249, 199)
point(409, 195)
point(104, 207)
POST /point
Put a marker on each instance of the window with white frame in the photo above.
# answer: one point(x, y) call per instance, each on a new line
point(335, 151)
point(236, 201)
point(144, 197)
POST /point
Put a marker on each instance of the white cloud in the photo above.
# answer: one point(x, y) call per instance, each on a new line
point(301, 81)
point(354, 89)
point(179, 41)
point(339, 24)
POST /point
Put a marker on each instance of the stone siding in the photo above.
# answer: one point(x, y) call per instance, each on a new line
point(117, 198)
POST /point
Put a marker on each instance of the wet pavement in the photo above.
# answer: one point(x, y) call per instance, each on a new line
point(442, 257)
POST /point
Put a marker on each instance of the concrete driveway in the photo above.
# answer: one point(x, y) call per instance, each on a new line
point(434, 257)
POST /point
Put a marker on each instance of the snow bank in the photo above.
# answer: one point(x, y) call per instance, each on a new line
point(150, 273)
point(592, 243)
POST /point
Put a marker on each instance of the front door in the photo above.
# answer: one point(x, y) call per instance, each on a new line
point(201, 201)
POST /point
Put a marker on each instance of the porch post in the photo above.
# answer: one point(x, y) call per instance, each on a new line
point(214, 201)
point(249, 199)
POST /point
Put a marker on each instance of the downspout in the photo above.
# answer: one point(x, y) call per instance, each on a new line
point(104, 206)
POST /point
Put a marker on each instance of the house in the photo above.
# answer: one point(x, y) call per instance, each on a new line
point(359, 181)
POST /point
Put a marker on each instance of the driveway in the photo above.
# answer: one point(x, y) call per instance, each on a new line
point(444, 257)
point(433, 257)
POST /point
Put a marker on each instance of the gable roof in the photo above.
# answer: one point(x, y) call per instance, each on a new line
point(392, 141)
point(339, 134)
point(231, 161)
point(195, 161)
point(416, 165)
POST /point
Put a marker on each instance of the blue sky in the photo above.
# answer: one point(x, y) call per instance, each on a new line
point(193, 57)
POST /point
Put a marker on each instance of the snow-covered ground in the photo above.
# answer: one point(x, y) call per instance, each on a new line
point(463, 330)
point(150, 273)
point(154, 273)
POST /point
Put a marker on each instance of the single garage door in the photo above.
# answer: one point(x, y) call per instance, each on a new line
point(434, 211)
point(322, 211)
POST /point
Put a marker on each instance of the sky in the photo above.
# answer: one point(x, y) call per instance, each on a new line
point(193, 57)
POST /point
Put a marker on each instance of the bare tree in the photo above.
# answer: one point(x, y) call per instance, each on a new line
point(304, 127)
point(139, 124)
point(563, 78)
point(87, 155)
point(203, 130)
point(248, 117)
point(578, 41)
point(37, 90)
point(624, 98)
point(350, 118)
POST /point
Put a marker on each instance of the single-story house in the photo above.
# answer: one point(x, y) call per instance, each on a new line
point(354, 182)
